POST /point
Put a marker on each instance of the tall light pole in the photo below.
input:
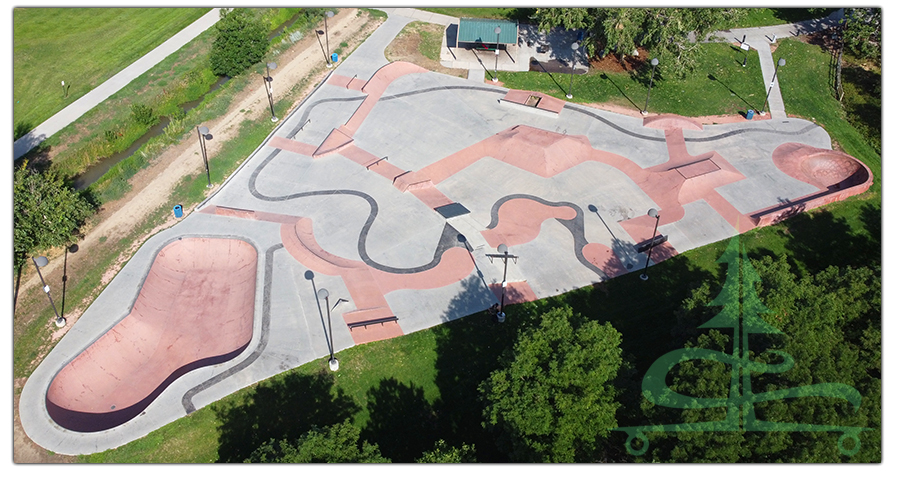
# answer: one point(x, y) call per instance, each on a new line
point(572, 77)
point(653, 63)
point(496, 52)
point(40, 262)
point(268, 83)
point(327, 15)
point(504, 254)
point(204, 135)
point(327, 59)
point(762, 112)
point(652, 213)
point(332, 361)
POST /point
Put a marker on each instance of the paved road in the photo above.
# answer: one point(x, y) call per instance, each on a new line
point(85, 103)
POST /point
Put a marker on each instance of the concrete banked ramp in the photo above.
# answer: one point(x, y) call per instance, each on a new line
point(195, 308)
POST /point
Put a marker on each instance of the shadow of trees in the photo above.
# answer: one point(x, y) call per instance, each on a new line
point(820, 239)
point(401, 421)
point(279, 408)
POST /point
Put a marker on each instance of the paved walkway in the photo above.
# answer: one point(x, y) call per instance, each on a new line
point(390, 185)
point(85, 103)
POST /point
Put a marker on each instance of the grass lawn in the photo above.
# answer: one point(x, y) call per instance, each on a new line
point(511, 13)
point(54, 45)
point(757, 17)
point(719, 85)
point(406, 392)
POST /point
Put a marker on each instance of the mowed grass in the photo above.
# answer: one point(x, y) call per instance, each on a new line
point(719, 85)
point(436, 372)
point(82, 47)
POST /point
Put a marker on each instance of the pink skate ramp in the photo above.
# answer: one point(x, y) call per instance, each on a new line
point(194, 309)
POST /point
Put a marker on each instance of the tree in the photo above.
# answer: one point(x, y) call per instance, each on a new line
point(446, 454)
point(241, 41)
point(862, 32)
point(552, 399)
point(338, 443)
point(668, 34)
point(821, 330)
point(46, 212)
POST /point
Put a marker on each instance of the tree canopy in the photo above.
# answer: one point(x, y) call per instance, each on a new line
point(552, 399)
point(443, 453)
point(862, 32)
point(668, 34)
point(46, 211)
point(241, 41)
point(338, 443)
point(827, 328)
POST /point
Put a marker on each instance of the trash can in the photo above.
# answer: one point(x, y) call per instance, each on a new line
point(334, 57)
point(178, 211)
point(750, 114)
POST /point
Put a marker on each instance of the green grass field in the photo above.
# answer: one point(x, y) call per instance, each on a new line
point(54, 45)
point(405, 392)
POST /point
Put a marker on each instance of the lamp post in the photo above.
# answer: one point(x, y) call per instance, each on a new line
point(40, 262)
point(496, 52)
point(327, 60)
point(653, 62)
point(504, 254)
point(652, 213)
point(762, 112)
point(332, 361)
point(268, 83)
point(572, 77)
point(204, 135)
point(327, 15)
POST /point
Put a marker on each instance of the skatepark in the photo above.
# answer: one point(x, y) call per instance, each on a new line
point(391, 187)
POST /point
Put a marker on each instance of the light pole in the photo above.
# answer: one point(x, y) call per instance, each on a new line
point(572, 76)
point(40, 262)
point(762, 112)
point(652, 213)
point(204, 135)
point(332, 361)
point(327, 60)
point(504, 254)
point(653, 62)
point(268, 83)
point(327, 15)
point(496, 52)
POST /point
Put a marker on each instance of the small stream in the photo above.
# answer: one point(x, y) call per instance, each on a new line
point(95, 171)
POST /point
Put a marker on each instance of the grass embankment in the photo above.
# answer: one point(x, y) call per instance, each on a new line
point(54, 45)
point(405, 392)
point(32, 312)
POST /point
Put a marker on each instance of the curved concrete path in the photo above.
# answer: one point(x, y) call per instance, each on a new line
point(103, 91)
point(344, 220)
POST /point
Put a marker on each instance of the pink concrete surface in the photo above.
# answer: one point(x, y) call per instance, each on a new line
point(367, 286)
point(337, 140)
point(603, 257)
point(293, 146)
point(669, 122)
point(520, 219)
point(375, 88)
point(546, 102)
point(346, 82)
point(517, 292)
point(836, 174)
point(195, 308)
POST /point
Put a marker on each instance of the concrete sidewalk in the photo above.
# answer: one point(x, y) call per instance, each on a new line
point(106, 89)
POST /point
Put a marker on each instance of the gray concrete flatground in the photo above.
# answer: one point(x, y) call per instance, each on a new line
point(421, 118)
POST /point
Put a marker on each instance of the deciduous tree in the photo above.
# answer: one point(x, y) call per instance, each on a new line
point(241, 41)
point(338, 443)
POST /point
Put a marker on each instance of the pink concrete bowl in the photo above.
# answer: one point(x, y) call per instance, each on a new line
point(195, 308)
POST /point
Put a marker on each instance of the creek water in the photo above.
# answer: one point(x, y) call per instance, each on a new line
point(95, 171)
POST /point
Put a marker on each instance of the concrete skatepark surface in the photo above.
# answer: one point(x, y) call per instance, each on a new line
point(389, 186)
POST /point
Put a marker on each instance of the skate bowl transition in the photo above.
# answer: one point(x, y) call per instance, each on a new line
point(195, 308)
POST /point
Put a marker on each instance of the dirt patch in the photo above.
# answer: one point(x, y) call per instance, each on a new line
point(152, 187)
point(410, 43)
point(612, 63)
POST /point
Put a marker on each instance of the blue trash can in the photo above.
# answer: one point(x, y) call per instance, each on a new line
point(750, 114)
point(178, 211)
point(334, 57)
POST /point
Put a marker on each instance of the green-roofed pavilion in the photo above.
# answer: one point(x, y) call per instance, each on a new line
point(482, 31)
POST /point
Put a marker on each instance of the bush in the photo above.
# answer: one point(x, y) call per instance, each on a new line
point(241, 41)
